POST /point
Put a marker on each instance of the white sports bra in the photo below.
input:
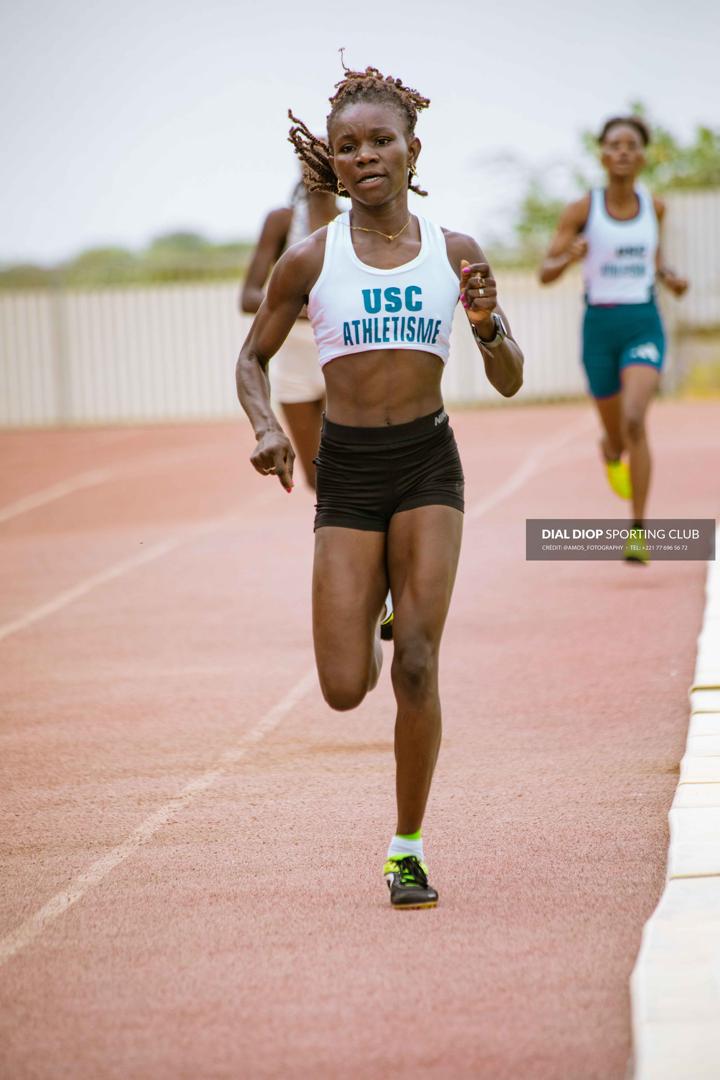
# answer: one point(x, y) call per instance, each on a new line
point(355, 308)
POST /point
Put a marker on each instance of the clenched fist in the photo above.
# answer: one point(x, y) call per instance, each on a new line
point(478, 291)
point(577, 250)
point(677, 285)
point(274, 456)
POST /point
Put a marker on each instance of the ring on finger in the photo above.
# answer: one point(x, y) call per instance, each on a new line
point(481, 292)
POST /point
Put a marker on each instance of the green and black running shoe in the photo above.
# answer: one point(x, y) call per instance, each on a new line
point(407, 880)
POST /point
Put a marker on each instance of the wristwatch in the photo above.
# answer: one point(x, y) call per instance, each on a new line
point(500, 333)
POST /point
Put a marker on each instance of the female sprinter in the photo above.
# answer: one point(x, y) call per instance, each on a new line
point(297, 381)
point(616, 232)
point(381, 286)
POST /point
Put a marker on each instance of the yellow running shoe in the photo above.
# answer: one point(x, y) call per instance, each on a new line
point(636, 548)
point(618, 474)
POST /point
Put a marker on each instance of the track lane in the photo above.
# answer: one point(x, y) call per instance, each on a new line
point(203, 951)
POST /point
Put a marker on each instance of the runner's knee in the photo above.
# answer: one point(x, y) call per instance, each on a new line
point(342, 694)
point(414, 668)
point(634, 425)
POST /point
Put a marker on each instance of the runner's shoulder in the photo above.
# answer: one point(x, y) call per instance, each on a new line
point(282, 215)
point(577, 212)
point(276, 225)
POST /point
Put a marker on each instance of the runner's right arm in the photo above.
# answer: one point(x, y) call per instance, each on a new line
point(269, 249)
point(567, 246)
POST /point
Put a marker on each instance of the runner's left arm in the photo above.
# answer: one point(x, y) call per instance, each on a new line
point(478, 295)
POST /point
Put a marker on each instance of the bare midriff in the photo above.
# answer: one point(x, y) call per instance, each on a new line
point(382, 387)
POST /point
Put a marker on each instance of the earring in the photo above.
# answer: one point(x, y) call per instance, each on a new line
point(339, 187)
point(413, 170)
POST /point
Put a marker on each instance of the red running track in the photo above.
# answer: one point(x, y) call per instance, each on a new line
point(192, 841)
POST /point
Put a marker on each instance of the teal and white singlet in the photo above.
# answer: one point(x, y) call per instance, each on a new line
point(619, 267)
point(622, 325)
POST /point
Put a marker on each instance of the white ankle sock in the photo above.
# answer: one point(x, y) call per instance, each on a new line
point(403, 845)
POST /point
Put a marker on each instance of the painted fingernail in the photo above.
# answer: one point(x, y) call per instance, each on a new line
point(466, 269)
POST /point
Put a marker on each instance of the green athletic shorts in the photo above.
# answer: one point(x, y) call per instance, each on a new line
point(614, 337)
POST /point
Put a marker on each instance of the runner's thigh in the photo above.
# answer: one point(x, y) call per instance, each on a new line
point(423, 550)
point(349, 587)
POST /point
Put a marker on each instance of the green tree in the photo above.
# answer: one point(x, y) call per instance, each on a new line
point(26, 276)
point(538, 215)
point(188, 256)
point(177, 256)
point(99, 266)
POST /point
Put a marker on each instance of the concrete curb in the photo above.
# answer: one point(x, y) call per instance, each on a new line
point(675, 985)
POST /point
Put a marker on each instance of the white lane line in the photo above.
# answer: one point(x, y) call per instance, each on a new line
point(94, 477)
point(123, 567)
point(29, 930)
point(84, 587)
point(57, 491)
point(528, 467)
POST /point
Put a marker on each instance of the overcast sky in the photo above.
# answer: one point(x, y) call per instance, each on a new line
point(123, 120)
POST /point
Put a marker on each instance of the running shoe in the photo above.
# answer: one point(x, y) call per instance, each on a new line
point(618, 474)
point(408, 883)
point(636, 548)
point(386, 622)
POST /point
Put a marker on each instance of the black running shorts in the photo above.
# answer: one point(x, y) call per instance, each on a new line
point(365, 475)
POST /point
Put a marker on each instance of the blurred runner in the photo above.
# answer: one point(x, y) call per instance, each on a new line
point(616, 232)
point(295, 376)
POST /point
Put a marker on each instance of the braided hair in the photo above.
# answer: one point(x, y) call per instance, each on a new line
point(367, 85)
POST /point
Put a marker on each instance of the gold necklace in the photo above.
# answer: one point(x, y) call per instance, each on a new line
point(388, 236)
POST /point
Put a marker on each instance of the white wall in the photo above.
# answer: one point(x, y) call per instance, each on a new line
point(168, 351)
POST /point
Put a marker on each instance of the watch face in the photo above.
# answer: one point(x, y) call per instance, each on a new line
point(500, 325)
